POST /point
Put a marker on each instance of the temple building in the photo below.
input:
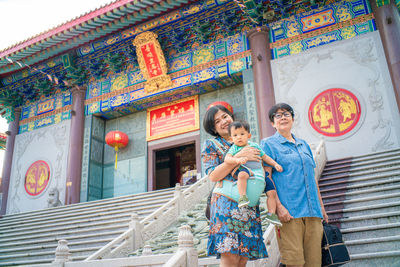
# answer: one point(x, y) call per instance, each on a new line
point(111, 103)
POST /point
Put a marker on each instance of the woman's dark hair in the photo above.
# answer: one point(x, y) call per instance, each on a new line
point(208, 120)
point(239, 124)
point(277, 107)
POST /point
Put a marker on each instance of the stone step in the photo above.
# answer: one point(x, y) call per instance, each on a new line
point(343, 178)
point(363, 157)
point(77, 234)
point(358, 164)
point(364, 210)
point(357, 201)
point(385, 258)
point(376, 230)
point(332, 174)
point(50, 254)
point(373, 244)
point(72, 220)
point(371, 192)
point(363, 182)
point(34, 262)
point(82, 207)
point(80, 224)
point(368, 220)
point(52, 246)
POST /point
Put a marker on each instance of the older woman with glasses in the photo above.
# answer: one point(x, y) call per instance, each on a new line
point(300, 206)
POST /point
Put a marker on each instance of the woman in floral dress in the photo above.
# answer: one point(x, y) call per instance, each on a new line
point(235, 234)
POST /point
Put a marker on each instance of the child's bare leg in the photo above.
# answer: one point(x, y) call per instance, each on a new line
point(242, 183)
point(271, 201)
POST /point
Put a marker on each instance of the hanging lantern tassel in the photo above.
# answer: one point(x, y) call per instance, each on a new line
point(117, 139)
point(116, 156)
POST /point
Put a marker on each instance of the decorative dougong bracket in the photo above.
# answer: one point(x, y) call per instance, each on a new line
point(152, 62)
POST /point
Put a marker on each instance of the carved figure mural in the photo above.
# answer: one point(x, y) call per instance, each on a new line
point(37, 177)
point(334, 112)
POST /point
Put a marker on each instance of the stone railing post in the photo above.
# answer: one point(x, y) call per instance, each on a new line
point(62, 252)
point(136, 238)
point(178, 194)
point(185, 242)
point(147, 251)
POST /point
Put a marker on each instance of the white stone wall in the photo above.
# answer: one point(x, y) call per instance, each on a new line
point(358, 65)
point(49, 144)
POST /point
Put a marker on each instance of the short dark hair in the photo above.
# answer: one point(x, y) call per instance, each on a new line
point(208, 120)
point(239, 124)
point(277, 107)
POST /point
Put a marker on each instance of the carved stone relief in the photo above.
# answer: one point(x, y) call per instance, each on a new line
point(49, 144)
point(362, 54)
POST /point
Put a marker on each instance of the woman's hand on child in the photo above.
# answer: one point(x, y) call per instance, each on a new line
point(278, 168)
point(251, 153)
point(241, 160)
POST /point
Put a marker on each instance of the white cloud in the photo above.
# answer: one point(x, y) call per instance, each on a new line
point(23, 19)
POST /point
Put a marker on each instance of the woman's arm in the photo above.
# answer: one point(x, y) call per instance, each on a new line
point(221, 171)
point(324, 214)
point(251, 153)
point(232, 160)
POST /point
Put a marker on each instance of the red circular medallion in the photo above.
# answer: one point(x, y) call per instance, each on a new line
point(37, 177)
point(334, 112)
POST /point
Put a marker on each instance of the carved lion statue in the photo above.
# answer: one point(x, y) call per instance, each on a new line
point(54, 198)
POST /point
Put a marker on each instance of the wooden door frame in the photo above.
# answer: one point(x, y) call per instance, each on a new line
point(166, 143)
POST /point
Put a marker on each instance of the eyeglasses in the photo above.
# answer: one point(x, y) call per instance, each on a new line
point(285, 114)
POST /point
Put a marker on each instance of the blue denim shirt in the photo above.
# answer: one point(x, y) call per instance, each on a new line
point(296, 185)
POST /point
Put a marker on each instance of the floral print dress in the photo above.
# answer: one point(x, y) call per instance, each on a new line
point(232, 230)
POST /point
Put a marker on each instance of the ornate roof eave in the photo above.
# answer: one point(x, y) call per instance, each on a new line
point(86, 28)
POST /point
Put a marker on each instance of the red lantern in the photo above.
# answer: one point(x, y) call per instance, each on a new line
point(222, 103)
point(117, 139)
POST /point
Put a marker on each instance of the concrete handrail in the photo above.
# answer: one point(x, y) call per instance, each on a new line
point(154, 223)
point(320, 158)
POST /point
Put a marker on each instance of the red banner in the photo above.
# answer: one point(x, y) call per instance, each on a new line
point(151, 60)
point(173, 118)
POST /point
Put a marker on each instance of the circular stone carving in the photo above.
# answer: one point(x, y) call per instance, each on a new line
point(334, 112)
point(37, 177)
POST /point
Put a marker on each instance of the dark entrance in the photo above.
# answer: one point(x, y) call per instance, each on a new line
point(175, 165)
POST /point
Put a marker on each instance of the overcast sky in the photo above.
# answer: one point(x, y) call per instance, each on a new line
point(23, 19)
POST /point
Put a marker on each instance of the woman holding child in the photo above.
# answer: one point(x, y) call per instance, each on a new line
point(235, 234)
point(300, 208)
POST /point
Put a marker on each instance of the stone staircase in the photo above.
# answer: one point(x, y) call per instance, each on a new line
point(31, 238)
point(362, 197)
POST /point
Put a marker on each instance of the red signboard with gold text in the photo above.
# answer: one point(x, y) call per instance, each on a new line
point(334, 112)
point(173, 118)
point(37, 177)
point(151, 59)
point(152, 62)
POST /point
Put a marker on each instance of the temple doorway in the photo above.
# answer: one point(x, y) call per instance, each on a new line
point(175, 165)
point(174, 160)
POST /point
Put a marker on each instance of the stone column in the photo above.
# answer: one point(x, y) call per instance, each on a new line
point(388, 22)
point(74, 169)
point(12, 132)
point(261, 57)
